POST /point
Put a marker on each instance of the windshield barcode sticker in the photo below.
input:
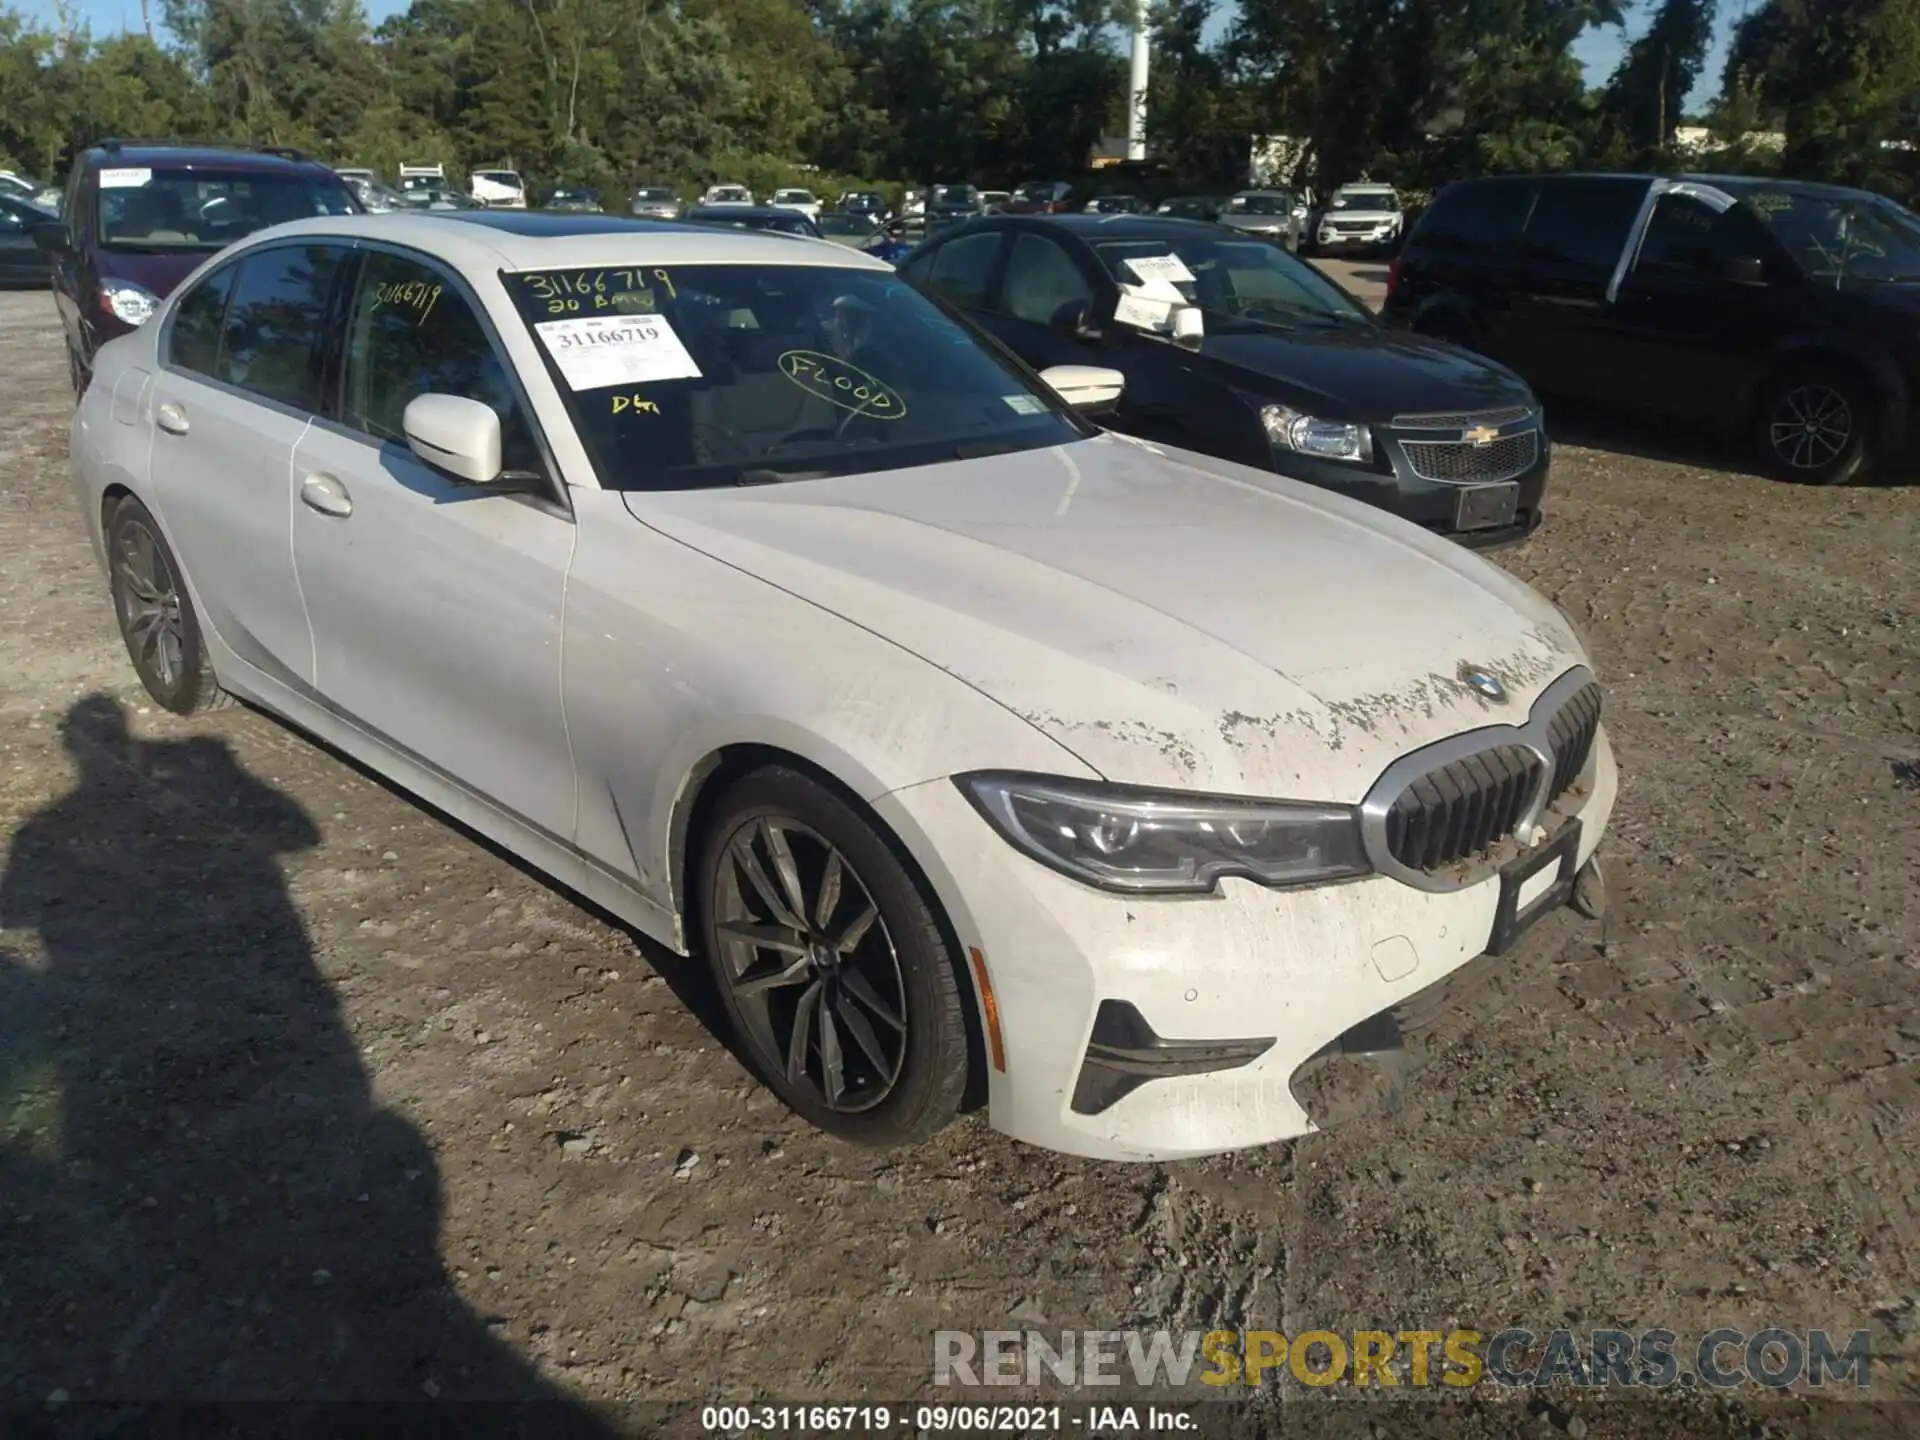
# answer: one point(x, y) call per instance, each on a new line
point(616, 350)
point(124, 179)
point(1024, 404)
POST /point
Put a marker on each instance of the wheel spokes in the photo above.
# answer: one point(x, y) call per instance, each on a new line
point(856, 930)
point(863, 1036)
point(797, 973)
point(765, 937)
point(783, 866)
point(855, 984)
point(802, 1033)
point(833, 1072)
point(750, 866)
point(828, 900)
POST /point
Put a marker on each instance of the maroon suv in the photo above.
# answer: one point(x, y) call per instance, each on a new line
point(139, 218)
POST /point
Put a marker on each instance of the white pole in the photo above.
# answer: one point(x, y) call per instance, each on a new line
point(1137, 87)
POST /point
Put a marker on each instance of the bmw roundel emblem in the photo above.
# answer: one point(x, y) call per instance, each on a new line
point(1486, 685)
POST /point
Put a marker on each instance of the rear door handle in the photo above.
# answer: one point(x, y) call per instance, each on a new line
point(322, 492)
point(172, 419)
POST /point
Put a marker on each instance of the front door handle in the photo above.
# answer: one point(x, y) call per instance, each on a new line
point(172, 419)
point(327, 495)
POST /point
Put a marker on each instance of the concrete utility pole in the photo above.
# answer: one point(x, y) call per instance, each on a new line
point(1137, 86)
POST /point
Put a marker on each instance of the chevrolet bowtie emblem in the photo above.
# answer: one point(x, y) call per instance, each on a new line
point(1481, 435)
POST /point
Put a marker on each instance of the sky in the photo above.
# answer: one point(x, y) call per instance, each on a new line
point(1598, 50)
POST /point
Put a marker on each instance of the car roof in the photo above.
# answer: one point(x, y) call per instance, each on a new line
point(480, 241)
point(200, 157)
point(1729, 183)
point(1106, 227)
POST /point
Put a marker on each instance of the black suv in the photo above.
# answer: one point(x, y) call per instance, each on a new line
point(139, 218)
point(1785, 311)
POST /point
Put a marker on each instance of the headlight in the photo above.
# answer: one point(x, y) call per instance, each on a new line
point(1165, 842)
point(1309, 435)
point(129, 304)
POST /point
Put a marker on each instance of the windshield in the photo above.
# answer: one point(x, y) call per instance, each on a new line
point(1245, 278)
point(497, 177)
point(1187, 209)
point(843, 222)
point(1260, 205)
point(1365, 200)
point(1038, 190)
point(794, 197)
point(657, 193)
point(955, 195)
point(198, 209)
point(708, 375)
point(729, 192)
point(1850, 237)
point(1114, 205)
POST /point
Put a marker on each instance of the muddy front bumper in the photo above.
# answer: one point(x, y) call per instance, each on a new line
point(1142, 1028)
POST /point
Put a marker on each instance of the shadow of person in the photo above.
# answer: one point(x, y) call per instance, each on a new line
point(199, 1199)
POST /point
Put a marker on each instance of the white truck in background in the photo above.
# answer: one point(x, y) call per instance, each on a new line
point(498, 189)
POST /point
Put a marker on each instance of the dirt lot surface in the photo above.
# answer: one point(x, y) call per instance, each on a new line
point(304, 1093)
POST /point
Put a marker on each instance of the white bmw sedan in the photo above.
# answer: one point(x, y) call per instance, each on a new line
point(986, 757)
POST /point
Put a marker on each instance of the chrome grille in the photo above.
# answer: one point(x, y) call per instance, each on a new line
point(1462, 809)
point(1458, 460)
point(1462, 419)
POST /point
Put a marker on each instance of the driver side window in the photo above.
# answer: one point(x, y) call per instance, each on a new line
point(1041, 277)
point(413, 333)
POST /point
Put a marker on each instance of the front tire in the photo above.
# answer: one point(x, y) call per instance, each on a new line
point(156, 615)
point(833, 967)
point(1817, 426)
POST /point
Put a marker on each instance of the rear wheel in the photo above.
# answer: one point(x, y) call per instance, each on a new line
point(156, 615)
point(1817, 426)
point(831, 963)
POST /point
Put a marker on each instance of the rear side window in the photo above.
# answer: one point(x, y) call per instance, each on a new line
point(1583, 221)
point(276, 326)
point(1483, 218)
point(194, 341)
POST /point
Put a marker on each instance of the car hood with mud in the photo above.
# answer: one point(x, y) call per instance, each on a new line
point(1172, 620)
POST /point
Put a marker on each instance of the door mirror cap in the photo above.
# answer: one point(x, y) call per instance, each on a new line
point(1089, 388)
point(1189, 327)
point(1746, 270)
point(457, 436)
point(51, 236)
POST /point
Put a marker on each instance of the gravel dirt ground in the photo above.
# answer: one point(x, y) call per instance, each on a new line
point(306, 1094)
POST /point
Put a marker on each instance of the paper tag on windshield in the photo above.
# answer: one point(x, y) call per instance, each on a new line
point(616, 350)
point(1169, 268)
point(124, 179)
point(1023, 404)
point(1143, 312)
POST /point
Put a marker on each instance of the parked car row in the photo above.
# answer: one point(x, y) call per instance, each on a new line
point(984, 755)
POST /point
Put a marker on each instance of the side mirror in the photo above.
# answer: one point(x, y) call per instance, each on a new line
point(1074, 319)
point(51, 236)
point(459, 437)
point(1089, 388)
point(1189, 327)
point(1746, 270)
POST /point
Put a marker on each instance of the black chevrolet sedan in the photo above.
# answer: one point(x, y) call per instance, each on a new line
point(1233, 347)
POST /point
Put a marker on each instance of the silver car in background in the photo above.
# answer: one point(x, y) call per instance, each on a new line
point(655, 202)
point(1274, 215)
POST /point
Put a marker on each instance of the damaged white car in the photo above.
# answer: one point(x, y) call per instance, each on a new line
point(987, 758)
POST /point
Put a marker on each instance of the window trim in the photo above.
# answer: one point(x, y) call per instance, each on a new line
point(164, 356)
point(178, 302)
point(554, 498)
point(1715, 199)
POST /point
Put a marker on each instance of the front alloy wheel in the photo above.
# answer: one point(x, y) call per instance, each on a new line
point(830, 961)
point(812, 969)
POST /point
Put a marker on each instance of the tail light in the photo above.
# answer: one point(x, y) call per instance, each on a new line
point(1393, 277)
